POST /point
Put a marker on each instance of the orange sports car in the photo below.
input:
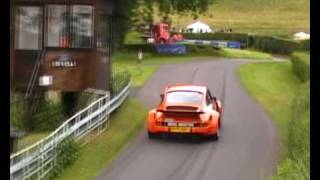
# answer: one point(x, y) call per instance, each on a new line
point(186, 109)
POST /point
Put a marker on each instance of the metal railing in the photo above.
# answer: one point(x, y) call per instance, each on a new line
point(36, 161)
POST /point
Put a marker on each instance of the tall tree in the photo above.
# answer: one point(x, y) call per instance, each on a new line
point(126, 9)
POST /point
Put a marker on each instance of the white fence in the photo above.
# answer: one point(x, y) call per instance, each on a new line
point(36, 161)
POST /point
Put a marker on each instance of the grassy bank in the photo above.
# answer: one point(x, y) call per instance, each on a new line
point(274, 86)
point(285, 98)
point(98, 153)
point(141, 71)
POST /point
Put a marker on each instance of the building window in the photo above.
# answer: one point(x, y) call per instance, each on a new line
point(28, 28)
point(81, 26)
point(103, 30)
point(69, 29)
point(57, 29)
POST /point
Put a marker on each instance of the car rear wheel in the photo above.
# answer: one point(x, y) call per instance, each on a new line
point(152, 135)
point(216, 136)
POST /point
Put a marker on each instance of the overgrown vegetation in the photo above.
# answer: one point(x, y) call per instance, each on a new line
point(130, 12)
point(119, 80)
point(98, 153)
point(240, 37)
point(286, 98)
point(301, 65)
point(68, 151)
point(296, 165)
point(49, 117)
point(277, 45)
point(264, 43)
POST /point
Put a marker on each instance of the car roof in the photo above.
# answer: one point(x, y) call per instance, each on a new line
point(196, 88)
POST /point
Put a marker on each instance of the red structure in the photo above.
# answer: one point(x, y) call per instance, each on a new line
point(161, 34)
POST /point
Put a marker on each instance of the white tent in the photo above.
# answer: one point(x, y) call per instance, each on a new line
point(198, 27)
point(301, 36)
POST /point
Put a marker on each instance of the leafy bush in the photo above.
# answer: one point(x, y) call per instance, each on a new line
point(68, 152)
point(240, 37)
point(277, 45)
point(297, 164)
point(49, 116)
point(301, 65)
point(118, 81)
point(289, 170)
point(146, 48)
point(133, 37)
point(20, 116)
point(264, 43)
point(150, 49)
point(202, 50)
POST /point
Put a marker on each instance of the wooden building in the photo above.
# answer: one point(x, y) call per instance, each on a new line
point(63, 45)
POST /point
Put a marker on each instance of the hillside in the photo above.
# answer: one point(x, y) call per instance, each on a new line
point(276, 17)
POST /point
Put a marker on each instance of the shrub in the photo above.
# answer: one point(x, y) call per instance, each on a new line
point(150, 49)
point(20, 115)
point(68, 151)
point(301, 65)
point(133, 37)
point(277, 45)
point(202, 50)
point(118, 81)
point(264, 43)
point(289, 170)
point(146, 48)
point(297, 164)
point(240, 37)
point(49, 117)
point(299, 132)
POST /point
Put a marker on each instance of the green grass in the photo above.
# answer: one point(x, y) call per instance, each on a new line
point(249, 54)
point(269, 17)
point(274, 86)
point(98, 153)
point(141, 72)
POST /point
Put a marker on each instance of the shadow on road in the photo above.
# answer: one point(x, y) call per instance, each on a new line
point(183, 139)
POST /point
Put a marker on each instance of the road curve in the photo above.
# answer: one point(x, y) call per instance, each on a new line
point(247, 149)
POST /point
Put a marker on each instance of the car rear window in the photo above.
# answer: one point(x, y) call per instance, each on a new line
point(192, 97)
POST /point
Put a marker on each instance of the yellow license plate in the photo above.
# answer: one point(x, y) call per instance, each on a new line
point(180, 129)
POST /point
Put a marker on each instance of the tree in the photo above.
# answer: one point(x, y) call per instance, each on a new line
point(126, 9)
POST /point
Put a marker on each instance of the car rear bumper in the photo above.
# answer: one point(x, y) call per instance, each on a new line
point(208, 130)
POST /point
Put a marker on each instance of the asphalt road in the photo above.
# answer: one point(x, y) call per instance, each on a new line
point(247, 148)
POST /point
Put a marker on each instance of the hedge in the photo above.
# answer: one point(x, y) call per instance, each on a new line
point(264, 43)
point(301, 65)
point(296, 166)
point(191, 49)
point(119, 80)
point(240, 37)
point(277, 45)
point(68, 152)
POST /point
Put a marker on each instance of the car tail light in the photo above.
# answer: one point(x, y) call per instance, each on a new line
point(159, 123)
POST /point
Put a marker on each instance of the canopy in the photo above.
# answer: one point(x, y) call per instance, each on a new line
point(301, 36)
point(199, 27)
